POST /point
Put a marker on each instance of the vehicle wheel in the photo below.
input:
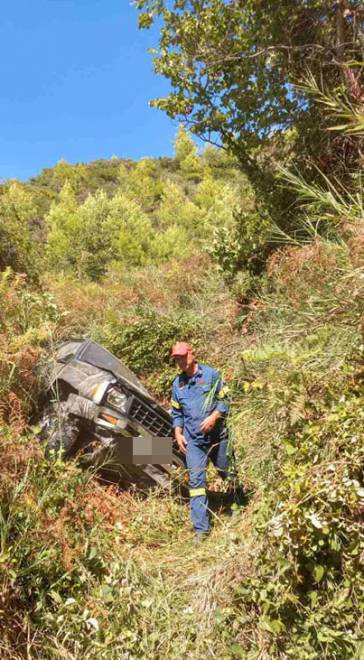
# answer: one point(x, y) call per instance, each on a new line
point(164, 476)
point(59, 431)
point(158, 476)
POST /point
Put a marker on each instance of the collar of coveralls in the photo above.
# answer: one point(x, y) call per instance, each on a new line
point(187, 378)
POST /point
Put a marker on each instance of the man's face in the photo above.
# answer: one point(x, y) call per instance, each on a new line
point(184, 362)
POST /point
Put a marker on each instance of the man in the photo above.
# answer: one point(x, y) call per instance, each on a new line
point(199, 408)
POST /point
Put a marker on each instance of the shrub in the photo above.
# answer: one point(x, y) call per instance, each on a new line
point(242, 246)
point(27, 318)
point(17, 248)
point(306, 597)
point(145, 343)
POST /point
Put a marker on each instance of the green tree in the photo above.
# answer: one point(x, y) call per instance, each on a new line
point(217, 201)
point(80, 239)
point(219, 163)
point(85, 239)
point(93, 236)
point(173, 242)
point(186, 155)
point(141, 183)
point(232, 65)
point(63, 231)
point(17, 247)
point(131, 230)
point(64, 172)
point(178, 210)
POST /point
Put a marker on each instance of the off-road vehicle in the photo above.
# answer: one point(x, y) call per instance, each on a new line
point(98, 410)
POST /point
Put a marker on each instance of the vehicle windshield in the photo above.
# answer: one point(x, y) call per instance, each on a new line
point(98, 356)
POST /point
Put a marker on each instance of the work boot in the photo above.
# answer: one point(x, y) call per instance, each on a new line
point(200, 537)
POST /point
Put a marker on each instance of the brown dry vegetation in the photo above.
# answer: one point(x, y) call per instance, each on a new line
point(83, 539)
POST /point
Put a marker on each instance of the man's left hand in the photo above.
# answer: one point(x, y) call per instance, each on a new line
point(210, 421)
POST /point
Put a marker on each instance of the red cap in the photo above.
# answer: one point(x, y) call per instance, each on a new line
point(180, 348)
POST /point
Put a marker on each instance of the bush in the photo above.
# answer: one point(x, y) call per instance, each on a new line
point(144, 343)
point(18, 250)
point(306, 596)
point(242, 246)
point(27, 318)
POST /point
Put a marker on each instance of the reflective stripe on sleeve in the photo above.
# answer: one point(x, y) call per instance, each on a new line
point(175, 405)
point(195, 492)
point(225, 390)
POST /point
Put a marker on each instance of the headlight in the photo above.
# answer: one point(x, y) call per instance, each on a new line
point(98, 391)
point(117, 399)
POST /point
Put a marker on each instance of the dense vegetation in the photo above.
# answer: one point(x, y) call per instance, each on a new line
point(137, 255)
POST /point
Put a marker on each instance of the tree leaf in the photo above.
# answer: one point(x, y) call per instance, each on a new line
point(318, 572)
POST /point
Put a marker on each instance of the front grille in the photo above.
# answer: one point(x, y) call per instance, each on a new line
point(149, 418)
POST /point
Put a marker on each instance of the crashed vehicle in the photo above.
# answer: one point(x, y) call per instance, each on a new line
point(98, 410)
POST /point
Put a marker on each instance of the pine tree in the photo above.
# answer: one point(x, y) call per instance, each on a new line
point(186, 155)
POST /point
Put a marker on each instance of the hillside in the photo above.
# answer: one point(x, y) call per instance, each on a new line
point(137, 256)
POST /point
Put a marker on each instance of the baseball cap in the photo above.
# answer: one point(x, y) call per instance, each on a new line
point(180, 348)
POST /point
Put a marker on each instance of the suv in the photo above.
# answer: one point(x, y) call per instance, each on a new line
point(97, 409)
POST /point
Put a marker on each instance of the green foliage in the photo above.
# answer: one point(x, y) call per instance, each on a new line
point(62, 220)
point(154, 213)
point(27, 318)
point(145, 343)
point(173, 242)
point(237, 72)
point(219, 83)
point(177, 209)
point(85, 239)
point(218, 200)
point(231, 64)
point(17, 249)
point(84, 178)
point(91, 243)
point(308, 590)
point(72, 581)
point(184, 146)
point(298, 398)
point(131, 231)
point(242, 246)
point(142, 184)
point(186, 155)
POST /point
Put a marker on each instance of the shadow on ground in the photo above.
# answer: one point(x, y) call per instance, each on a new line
point(223, 503)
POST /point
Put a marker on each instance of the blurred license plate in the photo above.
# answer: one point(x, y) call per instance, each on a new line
point(154, 450)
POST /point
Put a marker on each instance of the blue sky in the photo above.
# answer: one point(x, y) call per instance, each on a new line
point(75, 84)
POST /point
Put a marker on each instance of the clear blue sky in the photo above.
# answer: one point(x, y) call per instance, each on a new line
point(75, 84)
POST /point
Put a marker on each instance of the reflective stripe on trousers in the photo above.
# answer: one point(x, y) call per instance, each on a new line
point(197, 458)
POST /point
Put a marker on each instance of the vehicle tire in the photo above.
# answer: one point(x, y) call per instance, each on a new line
point(158, 476)
point(164, 475)
point(59, 432)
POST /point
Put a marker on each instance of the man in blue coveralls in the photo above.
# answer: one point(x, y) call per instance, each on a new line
point(199, 407)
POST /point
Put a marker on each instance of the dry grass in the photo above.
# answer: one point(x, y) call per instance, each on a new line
point(166, 288)
point(15, 459)
point(146, 539)
point(301, 271)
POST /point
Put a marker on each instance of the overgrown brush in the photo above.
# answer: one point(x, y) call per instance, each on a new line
point(93, 571)
point(27, 319)
point(140, 314)
point(308, 592)
point(299, 398)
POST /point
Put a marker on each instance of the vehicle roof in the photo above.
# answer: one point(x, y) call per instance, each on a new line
point(89, 351)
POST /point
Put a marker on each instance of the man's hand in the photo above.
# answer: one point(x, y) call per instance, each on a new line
point(210, 421)
point(181, 442)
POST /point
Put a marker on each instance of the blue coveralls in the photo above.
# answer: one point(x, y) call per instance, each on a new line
point(193, 399)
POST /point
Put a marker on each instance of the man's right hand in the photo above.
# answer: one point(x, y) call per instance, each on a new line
point(181, 442)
